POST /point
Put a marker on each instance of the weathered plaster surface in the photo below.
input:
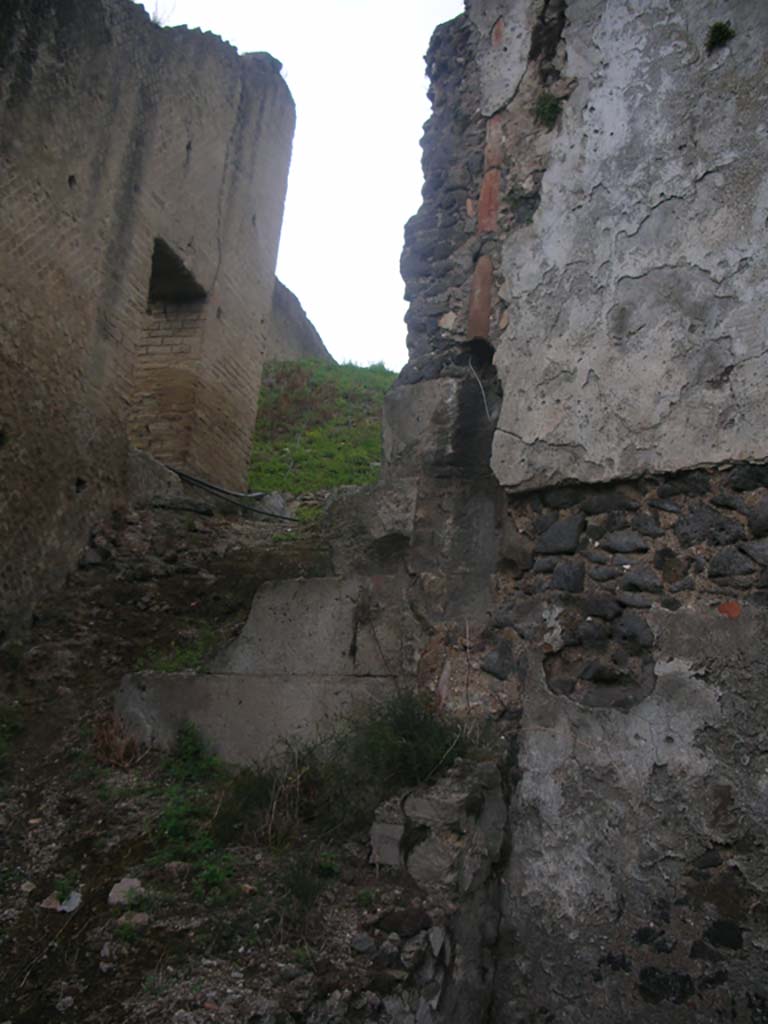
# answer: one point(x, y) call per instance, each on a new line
point(636, 297)
point(612, 817)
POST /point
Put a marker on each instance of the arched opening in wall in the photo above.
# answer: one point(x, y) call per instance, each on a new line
point(167, 364)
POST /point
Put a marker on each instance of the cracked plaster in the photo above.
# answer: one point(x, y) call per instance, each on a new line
point(637, 296)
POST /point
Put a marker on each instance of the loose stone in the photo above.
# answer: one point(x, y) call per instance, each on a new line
point(600, 607)
point(603, 573)
point(561, 538)
point(642, 577)
point(633, 630)
point(704, 525)
point(624, 541)
point(569, 576)
point(757, 550)
point(634, 600)
point(730, 562)
point(758, 519)
point(608, 501)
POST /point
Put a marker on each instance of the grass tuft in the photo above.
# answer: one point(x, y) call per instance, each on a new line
point(547, 109)
point(189, 656)
point(318, 427)
point(719, 35)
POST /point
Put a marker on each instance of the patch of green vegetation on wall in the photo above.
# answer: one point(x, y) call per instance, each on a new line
point(319, 426)
point(547, 109)
point(719, 35)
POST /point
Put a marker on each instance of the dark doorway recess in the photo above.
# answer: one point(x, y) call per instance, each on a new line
point(170, 281)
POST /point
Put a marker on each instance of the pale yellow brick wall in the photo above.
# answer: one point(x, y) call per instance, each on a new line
point(114, 133)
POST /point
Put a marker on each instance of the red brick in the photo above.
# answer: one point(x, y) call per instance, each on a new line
point(494, 142)
point(481, 290)
point(731, 609)
point(488, 206)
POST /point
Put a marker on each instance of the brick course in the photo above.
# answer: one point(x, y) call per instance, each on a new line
point(115, 133)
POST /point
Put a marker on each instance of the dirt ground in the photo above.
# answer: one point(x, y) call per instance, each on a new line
point(245, 931)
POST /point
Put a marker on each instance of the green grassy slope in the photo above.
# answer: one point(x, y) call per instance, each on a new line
point(319, 426)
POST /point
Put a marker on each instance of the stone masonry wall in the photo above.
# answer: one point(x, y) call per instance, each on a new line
point(140, 168)
point(292, 335)
point(608, 243)
point(575, 475)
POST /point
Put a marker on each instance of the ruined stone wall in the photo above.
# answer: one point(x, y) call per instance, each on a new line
point(142, 178)
point(576, 456)
point(614, 254)
point(292, 335)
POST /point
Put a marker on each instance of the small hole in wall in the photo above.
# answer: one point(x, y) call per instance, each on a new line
point(253, 220)
point(3, 437)
point(219, 312)
point(72, 181)
point(80, 485)
point(480, 352)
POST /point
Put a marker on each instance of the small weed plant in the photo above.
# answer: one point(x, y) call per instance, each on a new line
point(318, 427)
point(333, 788)
point(719, 35)
point(314, 796)
point(547, 109)
point(187, 656)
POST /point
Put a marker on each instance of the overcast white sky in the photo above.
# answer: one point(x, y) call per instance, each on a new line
point(356, 71)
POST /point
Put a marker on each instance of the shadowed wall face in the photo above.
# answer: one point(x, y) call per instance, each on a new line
point(142, 180)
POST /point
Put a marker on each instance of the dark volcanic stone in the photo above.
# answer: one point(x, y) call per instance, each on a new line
point(561, 497)
point(757, 550)
point(681, 585)
point(632, 629)
point(646, 525)
point(758, 519)
point(748, 478)
point(561, 684)
point(569, 576)
point(593, 634)
point(595, 531)
point(661, 986)
point(615, 521)
point(664, 505)
point(500, 661)
point(705, 526)
point(703, 951)
point(732, 501)
point(603, 573)
point(598, 606)
point(597, 556)
point(711, 859)
point(608, 501)
point(726, 934)
point(642, 577)
point(604, 673)
point(673, 566)
point(546, 563)
point(624, 541)
point(561, 538)
point(709, 981)
point(686, 483)
point(730, 562)
point(634, 600)
point(542, 523)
